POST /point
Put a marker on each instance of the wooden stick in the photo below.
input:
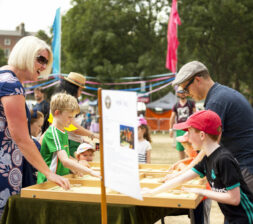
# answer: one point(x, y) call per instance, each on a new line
point(103, 192)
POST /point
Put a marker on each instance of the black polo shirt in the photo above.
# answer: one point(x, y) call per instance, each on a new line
point(223, 174)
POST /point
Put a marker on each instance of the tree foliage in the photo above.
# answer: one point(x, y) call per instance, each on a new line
point(113, 39)
point(3, 60)
point(42, 35)
point(219, 33)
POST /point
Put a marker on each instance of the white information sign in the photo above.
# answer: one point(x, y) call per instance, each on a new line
point(120, 135)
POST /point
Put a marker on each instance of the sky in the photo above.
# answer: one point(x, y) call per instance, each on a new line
point(36, 14)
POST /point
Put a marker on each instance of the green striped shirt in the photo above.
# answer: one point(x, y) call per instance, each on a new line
point(54, 140)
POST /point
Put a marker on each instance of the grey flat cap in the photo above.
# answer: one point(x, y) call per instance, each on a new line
point(188, 70)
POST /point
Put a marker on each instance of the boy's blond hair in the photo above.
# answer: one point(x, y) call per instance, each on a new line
point(64, 102)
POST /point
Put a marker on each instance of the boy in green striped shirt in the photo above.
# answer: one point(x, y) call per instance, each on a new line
point(55, 147)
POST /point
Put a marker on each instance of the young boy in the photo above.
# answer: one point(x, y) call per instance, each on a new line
point(84, 154)
point(55, 148)
point(189, 151)
point(219, 166)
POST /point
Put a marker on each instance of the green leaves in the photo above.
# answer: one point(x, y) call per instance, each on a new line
point(113, 39)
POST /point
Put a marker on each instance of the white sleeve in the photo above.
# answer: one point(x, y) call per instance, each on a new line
point(149, 147)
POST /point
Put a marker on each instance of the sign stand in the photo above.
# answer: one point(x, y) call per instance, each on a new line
point(103, 192)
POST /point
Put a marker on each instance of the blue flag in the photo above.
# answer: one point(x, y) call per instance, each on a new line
point(56, 43)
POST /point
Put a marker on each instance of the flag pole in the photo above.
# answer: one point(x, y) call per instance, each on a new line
point(101, 148)
point(60, 45)
point(56, 43)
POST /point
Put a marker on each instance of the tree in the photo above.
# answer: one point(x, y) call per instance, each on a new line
point(42, 35)
point(3, 60)
point(113, 39)
point(219, 33)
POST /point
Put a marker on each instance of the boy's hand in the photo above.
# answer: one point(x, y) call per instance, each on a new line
point(146, 191)
point(192, 190)
point(79, 174)
point(171, 134)
point(84, 163)
point(61, 181)
point(95, 174)
point(166, 178)
point(94, 135)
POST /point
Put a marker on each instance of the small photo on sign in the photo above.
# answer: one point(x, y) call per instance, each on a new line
point(127, 136)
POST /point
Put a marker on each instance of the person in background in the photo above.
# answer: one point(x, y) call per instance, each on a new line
point(37, 119)
point(29, 58)
point(234, 110)
point(180, 112)
point(83, 119)
point(55, 148)
point(88, 120)
point(219, 166)
point(29, 172)
point(84, 154)
point(42, 106)
point(144, 140)
point(189, 151)
point(73, 85)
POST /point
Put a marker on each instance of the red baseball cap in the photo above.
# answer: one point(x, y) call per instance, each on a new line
point(204, 120)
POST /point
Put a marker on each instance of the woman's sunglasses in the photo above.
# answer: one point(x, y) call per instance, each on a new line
point(42, 60)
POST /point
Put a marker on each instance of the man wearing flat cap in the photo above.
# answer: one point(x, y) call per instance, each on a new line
point(232, 107)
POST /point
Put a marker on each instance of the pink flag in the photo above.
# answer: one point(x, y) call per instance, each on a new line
point(172, 41)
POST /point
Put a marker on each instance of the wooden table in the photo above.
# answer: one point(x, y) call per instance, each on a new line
point(45, 211)
point(46, 203)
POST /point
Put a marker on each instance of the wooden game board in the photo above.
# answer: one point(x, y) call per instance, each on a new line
point(89, 191)
point(152, 168)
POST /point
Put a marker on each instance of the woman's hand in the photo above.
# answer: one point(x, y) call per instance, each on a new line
point(61, 181)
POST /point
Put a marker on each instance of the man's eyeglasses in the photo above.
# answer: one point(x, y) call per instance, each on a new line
point(42, 60)
point(188, 84)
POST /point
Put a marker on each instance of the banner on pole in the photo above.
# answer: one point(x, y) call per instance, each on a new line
point(172, 40)
point(56, 43)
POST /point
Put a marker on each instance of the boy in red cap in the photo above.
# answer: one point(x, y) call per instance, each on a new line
point(219, 166)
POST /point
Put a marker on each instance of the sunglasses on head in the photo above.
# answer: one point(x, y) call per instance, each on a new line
point(42, 60)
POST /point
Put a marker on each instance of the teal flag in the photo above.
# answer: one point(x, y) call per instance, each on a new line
point(56, 43)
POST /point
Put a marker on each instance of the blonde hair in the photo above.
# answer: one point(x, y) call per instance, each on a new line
point(36, 115)
point(64, 102)
point(25, 51)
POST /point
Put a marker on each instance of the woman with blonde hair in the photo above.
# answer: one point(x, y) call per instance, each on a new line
point(30, 58)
